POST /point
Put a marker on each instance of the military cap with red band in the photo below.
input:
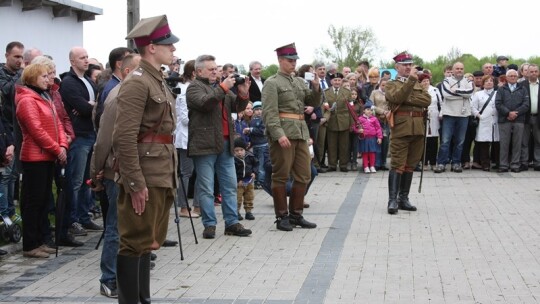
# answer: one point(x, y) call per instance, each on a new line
point(287, 51)
point(153, 30)
point(403, 58)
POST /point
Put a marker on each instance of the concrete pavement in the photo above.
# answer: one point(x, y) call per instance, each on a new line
point(474, 239)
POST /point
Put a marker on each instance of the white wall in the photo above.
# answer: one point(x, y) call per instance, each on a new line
point(38, 28)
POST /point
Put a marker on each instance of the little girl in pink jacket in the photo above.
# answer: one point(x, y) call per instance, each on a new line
point(371, 142)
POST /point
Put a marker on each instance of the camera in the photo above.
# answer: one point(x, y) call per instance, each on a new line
point(239, 79)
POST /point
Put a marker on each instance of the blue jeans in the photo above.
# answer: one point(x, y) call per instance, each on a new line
point(77, 170)
point(7, 184)
point(258, 151)
point(452, 128)
point(110, 240)
point(223, 165)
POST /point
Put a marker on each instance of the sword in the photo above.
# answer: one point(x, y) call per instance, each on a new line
point(426, 121)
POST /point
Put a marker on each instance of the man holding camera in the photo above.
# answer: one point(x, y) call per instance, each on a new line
point(211, 141)
point(284, 97)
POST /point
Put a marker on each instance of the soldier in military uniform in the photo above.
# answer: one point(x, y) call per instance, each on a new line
point(284, 98)
point(407, 100)
point(339, 123)
point(143, 143)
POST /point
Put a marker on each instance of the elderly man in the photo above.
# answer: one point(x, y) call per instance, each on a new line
point(339, 124)
point(456, 110)
point(512, 103)
point(408, 101)
point(211, 142)
point(143, 142)
point(284, 98)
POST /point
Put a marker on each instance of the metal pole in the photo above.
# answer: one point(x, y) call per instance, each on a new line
point(133, 16)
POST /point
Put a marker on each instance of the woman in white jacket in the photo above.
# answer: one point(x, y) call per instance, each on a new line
point(432, 132)
point(487, 132)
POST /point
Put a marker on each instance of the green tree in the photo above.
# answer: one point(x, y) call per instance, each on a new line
point(269, 70)
point(350, 45)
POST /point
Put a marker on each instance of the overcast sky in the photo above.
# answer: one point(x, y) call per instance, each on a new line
point(245, 30)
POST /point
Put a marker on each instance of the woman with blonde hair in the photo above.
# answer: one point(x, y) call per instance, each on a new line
point(44, 143)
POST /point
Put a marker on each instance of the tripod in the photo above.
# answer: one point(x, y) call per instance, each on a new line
point(184, 195)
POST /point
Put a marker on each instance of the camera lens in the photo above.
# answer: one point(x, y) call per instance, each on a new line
point(238, 79)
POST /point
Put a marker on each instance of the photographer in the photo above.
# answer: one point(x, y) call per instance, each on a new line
point(210, 142)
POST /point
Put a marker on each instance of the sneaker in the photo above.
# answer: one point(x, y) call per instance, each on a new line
point(366, 170)
point(92, 226)
point(237, 229)
point(69, 241)
point(47, 249)
point(457, 168)
point(249, 216)
point(439, 169)
point(217, 200)
point(209, 232)
point(108, 289)
point(240, 216)
point(16, 219)
point(77, 229)
point(372, 169)
point(36, 253)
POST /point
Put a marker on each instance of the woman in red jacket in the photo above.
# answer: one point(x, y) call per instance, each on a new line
point(44, 142)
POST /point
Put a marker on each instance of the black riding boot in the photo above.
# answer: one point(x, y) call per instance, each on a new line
point(127, 279)
point(296, 207)
point(144, 279)
point(404, 188)
point(393, 188)
point(279, 195)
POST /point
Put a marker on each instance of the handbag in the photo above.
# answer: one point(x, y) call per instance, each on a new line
point(356, 126)
point(475, 121)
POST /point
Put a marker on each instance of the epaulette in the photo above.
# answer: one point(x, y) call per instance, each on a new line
point(138, 72)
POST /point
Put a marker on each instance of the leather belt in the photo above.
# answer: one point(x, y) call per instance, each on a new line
point(410, 113)
point(292, 116)
point(156, 138)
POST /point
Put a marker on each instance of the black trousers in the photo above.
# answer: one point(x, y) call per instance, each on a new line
point(35, 195)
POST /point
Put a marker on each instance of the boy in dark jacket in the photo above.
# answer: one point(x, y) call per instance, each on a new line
point(259, 142)
point(246, 170)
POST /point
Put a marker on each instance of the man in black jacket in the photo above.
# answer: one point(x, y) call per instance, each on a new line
point(257, 81)
point(532, 120)
point(512, 103)
point(79, 95)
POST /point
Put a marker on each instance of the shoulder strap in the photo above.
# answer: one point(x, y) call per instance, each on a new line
point(487, 102)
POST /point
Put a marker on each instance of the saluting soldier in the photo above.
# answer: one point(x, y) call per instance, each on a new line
point(408, 100)
point(284, 97)
point(143, 143)
point(339, 123)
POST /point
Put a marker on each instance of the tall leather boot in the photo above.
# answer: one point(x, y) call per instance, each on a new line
point(144, 279)
point(296, 207)
point(127, 279)
point(404, 188)
point(393, 188)
point(279, 194)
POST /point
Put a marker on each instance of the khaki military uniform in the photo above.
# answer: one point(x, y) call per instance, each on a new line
point(143, 101)
point(284, 98)
point(407, 135)
point(337, 130)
